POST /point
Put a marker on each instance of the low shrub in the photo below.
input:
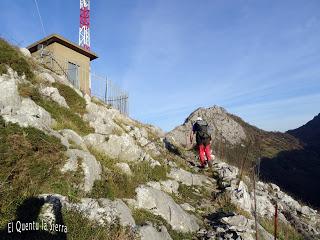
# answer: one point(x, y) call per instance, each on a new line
point(11, 57)
point(76, 103)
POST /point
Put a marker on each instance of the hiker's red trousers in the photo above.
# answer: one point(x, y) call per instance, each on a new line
point(204, 150)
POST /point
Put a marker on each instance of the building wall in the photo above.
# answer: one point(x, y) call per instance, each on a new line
point(63, 55)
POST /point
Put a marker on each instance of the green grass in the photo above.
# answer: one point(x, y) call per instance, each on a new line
point(27, 90)
point(115, 184)
point(64, 117)
point(30, 164)
point(262, 143)
point(193, 195)
point(118, 131)
point(223, 204)
point(76, 103)
point(74, 145)
point(80, 228)
point(100, 102)
point(284, 231)
point(142, 217)
point(11, 57)
point(189, 194)
point(259, 143)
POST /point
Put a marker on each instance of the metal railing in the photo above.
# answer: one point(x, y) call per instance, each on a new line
point(112, 94)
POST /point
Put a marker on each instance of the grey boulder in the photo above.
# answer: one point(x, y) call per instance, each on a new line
point(90, 166)
point(159, 203)
point(148, 232)
point(54, 95)
point(104, 211)
point(189, 178)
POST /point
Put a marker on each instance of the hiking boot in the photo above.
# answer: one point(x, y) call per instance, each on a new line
point(202, 166)
point(206, 164)
point(210, 164)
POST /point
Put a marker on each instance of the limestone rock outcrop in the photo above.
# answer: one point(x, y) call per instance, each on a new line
point(162, 204)
point(221, 123)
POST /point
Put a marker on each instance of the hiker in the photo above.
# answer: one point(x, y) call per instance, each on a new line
point(203, 139)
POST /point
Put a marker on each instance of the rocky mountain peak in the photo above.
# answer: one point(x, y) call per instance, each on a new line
point(222, 124)
point(205, 113)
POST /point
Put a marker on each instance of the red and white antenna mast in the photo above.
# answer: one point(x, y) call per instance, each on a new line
point(84, 29)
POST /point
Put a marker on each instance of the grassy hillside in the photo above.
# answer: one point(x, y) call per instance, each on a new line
point(259, 144)
point(267, 144)
point(30, 164)
point(11, 57)
point(31, 160)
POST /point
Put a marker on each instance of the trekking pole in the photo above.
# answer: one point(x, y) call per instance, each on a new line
point(255, 203)
point(275, 220)
point(219, 150)
point(244, 160)
point(222, 150)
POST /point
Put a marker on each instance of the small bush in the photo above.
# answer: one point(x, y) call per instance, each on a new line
point(26, 90)
point(75, 102)
point(224, 203)
point(11, 57)
point(142, 217)
point(188, 193)
point(65, 117)
point(74, 145)
point(3, 69)
point(118, 131)
point(145, 173)
point(103, 189)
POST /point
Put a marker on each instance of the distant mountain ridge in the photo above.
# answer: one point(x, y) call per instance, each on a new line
point(297, 171)
point(309, 133)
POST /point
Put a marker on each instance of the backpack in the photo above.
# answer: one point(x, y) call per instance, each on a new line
point(203, 129)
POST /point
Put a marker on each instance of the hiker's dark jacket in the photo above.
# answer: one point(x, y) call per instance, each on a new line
point(199, 139)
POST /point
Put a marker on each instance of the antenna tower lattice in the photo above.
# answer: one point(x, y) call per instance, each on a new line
point(84, 29)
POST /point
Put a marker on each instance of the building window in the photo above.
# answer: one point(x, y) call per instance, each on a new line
point(73, 74)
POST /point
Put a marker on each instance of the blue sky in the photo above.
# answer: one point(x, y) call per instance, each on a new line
point(258, 59)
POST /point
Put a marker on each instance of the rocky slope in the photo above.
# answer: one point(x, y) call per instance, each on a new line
point(72, 162)
point(294, 154)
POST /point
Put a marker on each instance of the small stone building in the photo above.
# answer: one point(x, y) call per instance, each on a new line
point(65, 57)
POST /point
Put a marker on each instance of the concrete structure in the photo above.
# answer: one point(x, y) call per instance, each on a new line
point(65, 57)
